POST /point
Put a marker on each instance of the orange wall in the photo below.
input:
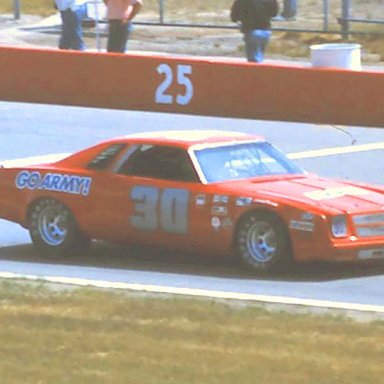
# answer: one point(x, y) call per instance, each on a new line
point(216, 88)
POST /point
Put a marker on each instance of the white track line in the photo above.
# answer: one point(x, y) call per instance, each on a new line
point(199, 293)
point(336, 151)
point(295, 155)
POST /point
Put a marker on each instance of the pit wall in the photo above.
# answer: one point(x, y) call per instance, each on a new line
point(193, 86)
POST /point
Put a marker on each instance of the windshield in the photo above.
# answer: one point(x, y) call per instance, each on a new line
point(241, 161)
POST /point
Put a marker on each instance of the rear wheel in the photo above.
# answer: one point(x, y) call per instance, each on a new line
point(53, 229)
point(262, 242)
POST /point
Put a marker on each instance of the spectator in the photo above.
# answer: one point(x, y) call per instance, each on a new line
point(289, 9)
point(72, 13)
point(120, 14)
point(255, 19)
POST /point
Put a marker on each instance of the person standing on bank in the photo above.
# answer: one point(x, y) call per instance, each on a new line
point(255, 19)
point(72, 13)
point(120, 14)
point(289, 9)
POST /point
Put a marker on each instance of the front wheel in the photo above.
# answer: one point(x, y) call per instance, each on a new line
point(262, 242)
point(53, 229)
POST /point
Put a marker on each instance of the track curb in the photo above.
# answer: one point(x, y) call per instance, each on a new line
point(361, 312)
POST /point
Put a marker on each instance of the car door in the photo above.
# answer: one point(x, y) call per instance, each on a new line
point(151, 195)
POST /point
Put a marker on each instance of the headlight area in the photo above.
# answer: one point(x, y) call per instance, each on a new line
point(355, 238)
point(339, 226)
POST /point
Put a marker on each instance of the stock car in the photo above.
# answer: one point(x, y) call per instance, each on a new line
point(211, 192)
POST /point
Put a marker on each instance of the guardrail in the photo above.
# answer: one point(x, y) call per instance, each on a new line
point(16, 9)
point(179, 85)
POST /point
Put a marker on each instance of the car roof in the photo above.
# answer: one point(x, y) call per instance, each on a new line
point(189, 138)
point(185, 139)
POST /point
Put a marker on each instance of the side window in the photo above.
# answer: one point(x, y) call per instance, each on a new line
point(105, 157)
point(160, 162)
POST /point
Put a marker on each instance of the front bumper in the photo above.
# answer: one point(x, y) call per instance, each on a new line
point(354, 249)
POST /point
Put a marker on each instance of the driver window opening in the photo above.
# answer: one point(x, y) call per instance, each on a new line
point(159, 162)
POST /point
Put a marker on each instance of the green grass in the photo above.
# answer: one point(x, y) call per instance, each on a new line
point(86, 336)
point(32, 7)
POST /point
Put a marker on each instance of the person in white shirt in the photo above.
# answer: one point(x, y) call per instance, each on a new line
point(72, 13)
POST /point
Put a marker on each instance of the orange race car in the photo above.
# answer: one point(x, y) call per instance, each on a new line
point(213, 192)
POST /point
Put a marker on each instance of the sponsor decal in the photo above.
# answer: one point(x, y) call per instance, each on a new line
point(246, 201)
point(79, 185)
point(243, 201)
point(307, 216)
point(305, 226)
point(377, 253)
point(200, 199)
point(216, 223)
point(334, 193)
point(265, 202)
point(223, 199)
point(227, 223)
point(219, 210)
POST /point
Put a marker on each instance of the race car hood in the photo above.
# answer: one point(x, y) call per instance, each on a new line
point(321, 193)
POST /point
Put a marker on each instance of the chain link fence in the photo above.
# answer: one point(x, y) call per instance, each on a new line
point(343, 17)
point(361, 16)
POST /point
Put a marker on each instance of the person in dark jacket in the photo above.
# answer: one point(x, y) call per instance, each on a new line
point(255, 19)
point(289, 9)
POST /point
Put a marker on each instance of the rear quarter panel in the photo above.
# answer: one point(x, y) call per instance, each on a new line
point(20, 187)
point(12, 200)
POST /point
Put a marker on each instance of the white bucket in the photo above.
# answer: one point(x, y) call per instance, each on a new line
point(336, 55)
point(96, 9)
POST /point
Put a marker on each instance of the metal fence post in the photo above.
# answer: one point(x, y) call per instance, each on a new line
point(345, 14)
point(97, 25)
point(326, 14)
point(161, 11)
point(16, 9)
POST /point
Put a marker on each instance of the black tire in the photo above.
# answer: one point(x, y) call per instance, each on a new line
point(54, 231)
point(262, 242)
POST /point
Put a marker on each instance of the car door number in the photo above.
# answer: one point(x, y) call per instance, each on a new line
point(183, 71)
point(156, 209)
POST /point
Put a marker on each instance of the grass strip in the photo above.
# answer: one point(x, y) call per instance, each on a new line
point(90, 336)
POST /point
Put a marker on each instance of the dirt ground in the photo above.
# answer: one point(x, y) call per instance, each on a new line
point(193, 41)
point(190, 41)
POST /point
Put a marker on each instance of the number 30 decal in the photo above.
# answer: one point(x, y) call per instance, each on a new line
point(162, 97)
point(154, 209)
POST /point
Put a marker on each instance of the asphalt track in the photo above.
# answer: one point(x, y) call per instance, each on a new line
point(28, 130)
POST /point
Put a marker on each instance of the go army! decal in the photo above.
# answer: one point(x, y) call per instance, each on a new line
point(79, 185)
point(156, 209)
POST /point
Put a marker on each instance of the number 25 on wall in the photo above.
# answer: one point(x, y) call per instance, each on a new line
point(163, 96)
